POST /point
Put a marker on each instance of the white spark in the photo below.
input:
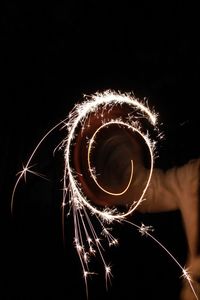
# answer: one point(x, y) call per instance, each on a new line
point(186, 275)
point(144, 230)
point(86, 239)
point(79, 115)
point(108, 274)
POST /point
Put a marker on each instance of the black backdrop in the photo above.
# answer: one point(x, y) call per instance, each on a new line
point(53, 54)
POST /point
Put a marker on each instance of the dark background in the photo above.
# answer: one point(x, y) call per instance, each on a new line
point(51, 55)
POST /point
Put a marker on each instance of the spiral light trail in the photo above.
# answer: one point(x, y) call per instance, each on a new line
point(85, 123)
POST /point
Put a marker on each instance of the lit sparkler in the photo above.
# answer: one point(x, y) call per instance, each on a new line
point(106, 108)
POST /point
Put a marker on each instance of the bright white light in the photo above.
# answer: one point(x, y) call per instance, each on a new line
point(87, 241)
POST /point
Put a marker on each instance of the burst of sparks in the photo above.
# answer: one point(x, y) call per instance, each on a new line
point(27, 169)
point(79, 115)
point(86, 239)
point(186, 275)
point(144, 230)
point(108, 274)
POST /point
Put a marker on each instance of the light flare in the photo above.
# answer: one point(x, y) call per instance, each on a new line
point(87, 241)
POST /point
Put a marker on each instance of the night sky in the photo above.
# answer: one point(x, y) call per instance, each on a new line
point(51, 55)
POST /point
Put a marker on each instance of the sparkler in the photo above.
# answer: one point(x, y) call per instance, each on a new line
point(85, 123)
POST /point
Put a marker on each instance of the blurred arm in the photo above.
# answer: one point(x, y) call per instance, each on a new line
point(178, 188)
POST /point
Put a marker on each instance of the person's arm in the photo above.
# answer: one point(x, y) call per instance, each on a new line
point(178, 188)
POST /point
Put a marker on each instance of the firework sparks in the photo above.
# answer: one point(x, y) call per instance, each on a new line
point(144, 230)
point(86, 239)
point(81, 114)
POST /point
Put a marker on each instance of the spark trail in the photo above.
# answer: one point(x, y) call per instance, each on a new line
point(85, 122)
